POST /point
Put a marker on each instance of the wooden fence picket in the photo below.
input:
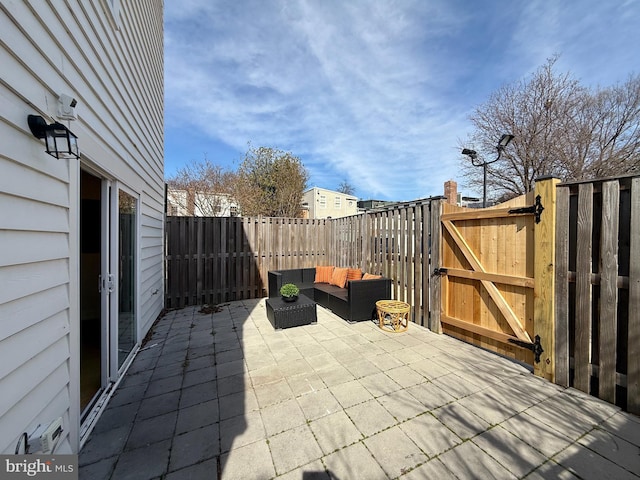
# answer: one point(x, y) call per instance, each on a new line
point(597, 289)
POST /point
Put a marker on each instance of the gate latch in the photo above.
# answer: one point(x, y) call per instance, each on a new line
point(536, 209)
point(439, 271)
point(535, 347)
point(106, 283)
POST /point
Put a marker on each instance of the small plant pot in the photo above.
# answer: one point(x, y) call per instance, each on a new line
point(289, 292)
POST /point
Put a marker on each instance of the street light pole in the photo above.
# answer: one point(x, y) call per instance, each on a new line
point(484, 183)
point(473, 155)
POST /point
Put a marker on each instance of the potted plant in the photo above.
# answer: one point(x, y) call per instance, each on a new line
point(289, 292)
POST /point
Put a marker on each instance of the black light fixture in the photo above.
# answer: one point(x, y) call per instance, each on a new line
point(505, 139)
point(60, 142)
point(471, 153)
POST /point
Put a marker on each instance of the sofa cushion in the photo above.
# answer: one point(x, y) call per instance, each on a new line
point(333, 291)
point(323, 274)
point(339, 277)
point(291, 276)
point(354, 274)
point(308, 276)
point(368, 276)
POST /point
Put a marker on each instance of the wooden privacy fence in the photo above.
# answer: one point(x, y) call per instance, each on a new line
point(597, 310)
point(210, 260)
point(395, 243)
point(495, 278)
point(218, 259)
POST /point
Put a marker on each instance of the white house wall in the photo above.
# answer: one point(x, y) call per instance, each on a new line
point(113, 66)
point(348, 203)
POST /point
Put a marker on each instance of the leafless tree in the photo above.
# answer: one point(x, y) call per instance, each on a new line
point(605, 136)
point(270, 182)
point(346, 188)
point(201, 188)
point(561, 128)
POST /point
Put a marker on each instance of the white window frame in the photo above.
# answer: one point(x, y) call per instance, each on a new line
point(337, 202)
point(322, 201)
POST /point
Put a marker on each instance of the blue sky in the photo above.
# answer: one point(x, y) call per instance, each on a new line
point(376, 93)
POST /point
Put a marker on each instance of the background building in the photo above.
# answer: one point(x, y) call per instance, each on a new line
point(456, 198)
point(185, 203)
point(364, 205)
point(323, 203)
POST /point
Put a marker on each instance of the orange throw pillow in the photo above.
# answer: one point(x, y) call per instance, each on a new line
point(354, 274)
point(368, 276)
point(339, 277)
point(323, 274)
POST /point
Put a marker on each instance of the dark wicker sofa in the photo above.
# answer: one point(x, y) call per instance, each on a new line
point(355, 303)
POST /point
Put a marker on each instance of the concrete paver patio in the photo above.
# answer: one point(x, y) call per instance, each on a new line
point(224, 395)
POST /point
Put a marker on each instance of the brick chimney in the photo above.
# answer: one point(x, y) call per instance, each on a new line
point(451, 192)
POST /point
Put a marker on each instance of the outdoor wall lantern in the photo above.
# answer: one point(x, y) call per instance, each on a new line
point(60, 142)
point(505, 139)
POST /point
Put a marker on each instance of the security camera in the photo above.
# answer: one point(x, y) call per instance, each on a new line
point(66, 107)
point(67, 100)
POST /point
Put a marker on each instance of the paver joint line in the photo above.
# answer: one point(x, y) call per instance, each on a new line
point(223, 392)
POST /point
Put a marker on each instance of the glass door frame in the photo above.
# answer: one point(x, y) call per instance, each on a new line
point(107, 278)
point(116, 370)
point(106, 286)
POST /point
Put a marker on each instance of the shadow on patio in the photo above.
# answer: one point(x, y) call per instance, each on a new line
point(223, 395)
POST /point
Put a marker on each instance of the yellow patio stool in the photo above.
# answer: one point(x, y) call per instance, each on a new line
point(393, 315)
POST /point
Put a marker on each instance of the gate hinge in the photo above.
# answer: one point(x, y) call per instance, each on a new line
point(535, 347)
point(439, 271)
point(535, 209)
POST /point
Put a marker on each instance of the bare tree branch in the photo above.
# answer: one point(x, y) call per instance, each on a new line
point(346, 188)
point(560, 127)
point(202, 189)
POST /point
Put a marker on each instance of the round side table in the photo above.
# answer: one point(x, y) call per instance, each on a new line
point(393, 315)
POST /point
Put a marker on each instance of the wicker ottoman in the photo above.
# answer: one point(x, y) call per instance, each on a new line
point(393, 315)
point(283, 314)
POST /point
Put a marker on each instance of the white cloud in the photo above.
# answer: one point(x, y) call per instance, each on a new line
point(377, 93)
point(597, 41)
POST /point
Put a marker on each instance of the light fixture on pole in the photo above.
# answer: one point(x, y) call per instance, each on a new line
point(60, 142)
point(473, 155)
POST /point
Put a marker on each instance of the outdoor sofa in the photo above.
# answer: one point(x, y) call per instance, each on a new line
point(354, 302)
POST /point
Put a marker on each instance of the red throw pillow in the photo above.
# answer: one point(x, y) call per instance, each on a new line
point(323, 274)
point(368, 276)
point(339, 277)
point(354, 274)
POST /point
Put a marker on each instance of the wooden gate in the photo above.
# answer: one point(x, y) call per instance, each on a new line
point(488, 270)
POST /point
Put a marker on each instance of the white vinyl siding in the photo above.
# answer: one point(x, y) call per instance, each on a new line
point(116, 75)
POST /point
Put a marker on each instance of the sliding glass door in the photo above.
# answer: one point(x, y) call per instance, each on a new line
point(127, 261)
point(109, 219)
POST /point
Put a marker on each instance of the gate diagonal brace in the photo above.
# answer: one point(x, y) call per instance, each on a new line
point(535, 347)
point(535, 209)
